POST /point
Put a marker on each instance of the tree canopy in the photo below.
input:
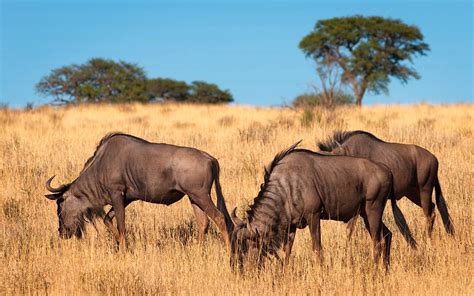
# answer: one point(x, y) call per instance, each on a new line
point(168, 89)
point(203, 92)
point(98, 80)
point(369, 50)
point(102, 80)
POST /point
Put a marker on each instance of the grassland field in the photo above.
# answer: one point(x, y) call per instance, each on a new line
point(164, 255)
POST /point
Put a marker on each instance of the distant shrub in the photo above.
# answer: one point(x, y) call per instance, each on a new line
point(29, 106)
point(320, 99)
point(307, 117)
point(226, 121)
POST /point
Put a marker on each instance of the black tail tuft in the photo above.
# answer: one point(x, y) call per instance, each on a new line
point(221, 206)
point(443, 209)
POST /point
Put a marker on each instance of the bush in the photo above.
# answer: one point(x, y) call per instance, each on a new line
point(320, 99)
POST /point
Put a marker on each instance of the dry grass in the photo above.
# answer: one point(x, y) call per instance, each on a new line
point(164, 255)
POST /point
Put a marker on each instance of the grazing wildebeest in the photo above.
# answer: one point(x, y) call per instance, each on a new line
point(414, 169)
point(302, 187)
point(125, 168)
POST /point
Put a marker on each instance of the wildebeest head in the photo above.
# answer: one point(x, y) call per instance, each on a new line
point(246, 244)
point(71, 210)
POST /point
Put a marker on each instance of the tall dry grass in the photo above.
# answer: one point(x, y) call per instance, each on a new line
point(164, 255)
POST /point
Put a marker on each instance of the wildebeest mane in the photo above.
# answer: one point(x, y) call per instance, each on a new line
point(266, 178)
point(103, 141)
point(340, 137)
point(86, 215)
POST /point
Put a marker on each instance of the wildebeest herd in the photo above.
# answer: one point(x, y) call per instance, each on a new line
point(353, 174)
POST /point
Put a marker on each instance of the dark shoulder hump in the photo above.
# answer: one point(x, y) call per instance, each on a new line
point(266, 178)
point(104, 141)
point(277, 159)
point(339, 137)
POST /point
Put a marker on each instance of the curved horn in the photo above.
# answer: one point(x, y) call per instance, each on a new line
point(236, 219)
point(52, 189)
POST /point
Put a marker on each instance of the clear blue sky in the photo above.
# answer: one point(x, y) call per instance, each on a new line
point(248, 47)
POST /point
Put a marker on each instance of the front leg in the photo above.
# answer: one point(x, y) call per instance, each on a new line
point(110, 225)
point(118, 205)
point(110, 216)
point(289, 244)
point(315, 230)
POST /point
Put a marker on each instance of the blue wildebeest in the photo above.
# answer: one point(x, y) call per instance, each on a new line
point(302, 187)
point(414, 169)
point(124, 169)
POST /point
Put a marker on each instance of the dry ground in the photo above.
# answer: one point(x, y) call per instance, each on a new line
point(164, 255)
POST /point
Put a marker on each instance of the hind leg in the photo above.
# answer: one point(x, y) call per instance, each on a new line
point(205, 204)
point(423, 199)
point(373, 223)
point(428, 209)
point(387, 241)
point(202, 221)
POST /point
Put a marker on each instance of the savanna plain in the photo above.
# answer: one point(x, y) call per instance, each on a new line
point(164, 255)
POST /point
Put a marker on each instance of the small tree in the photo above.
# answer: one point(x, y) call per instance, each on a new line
point(203, 92)
point(168, 89)
point(62, 84)
point(368, 50)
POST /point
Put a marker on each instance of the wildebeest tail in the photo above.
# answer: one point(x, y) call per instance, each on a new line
point(443, 209)
point(401, 222)
point(220, 198)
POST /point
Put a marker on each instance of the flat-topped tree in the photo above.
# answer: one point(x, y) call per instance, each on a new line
point(369, 50)
point(168, 89)
point(97, 80)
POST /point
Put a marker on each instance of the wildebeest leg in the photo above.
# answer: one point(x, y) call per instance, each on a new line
point(387, 238)
point(428, 209)
point(315, 230)
point(423, 200)
point(110, 225)
point(289, 243)
point(204, 202)
point(202, 221)
point(350, 227)
point(373, 223)
point(119, 209)
point(108, 220)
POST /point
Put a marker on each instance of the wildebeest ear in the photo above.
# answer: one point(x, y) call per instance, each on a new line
point(53, 196)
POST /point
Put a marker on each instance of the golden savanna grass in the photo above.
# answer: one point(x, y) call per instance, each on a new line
point(164, 256)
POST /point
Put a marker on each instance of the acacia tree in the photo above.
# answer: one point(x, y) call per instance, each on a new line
point(368, 50)
point(98, 80)
point(103, 80)
point(168, 89)
point(62, 84)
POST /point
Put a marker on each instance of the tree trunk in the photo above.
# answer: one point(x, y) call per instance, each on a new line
point(359, 101)
point(358, 97)
point(359, 94)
